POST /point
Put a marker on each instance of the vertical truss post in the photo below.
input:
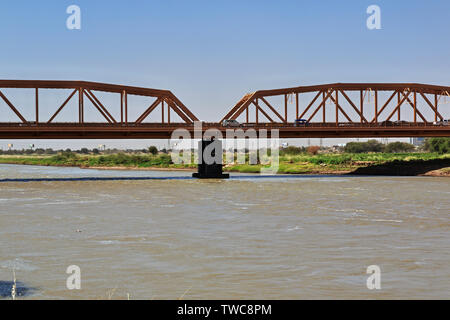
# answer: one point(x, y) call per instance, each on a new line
point(168, 113)
point(126, 107)
point(323, 107)
point(285, 107)
point(256, 110)
point(337, 107)
point(37, 106)
point(162, 111)
point(436, 107)
point(415, 106)
point(80, 105)
point(361, 104)
point(398, 102)
point(376, 106)
point(246, 114)
point(121, 107)
point(296, 105)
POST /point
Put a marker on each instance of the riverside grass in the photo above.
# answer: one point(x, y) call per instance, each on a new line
point(342, 163)
point(69, 159)
point(289, 164)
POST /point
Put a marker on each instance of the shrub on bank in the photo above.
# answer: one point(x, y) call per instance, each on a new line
point(398, 147)
point(363, 147)
point(313, 150)
point(291, 150)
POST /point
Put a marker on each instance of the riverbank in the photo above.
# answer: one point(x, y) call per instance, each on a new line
point(405, 164)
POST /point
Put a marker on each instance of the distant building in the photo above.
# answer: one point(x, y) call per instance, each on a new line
point(417, 141)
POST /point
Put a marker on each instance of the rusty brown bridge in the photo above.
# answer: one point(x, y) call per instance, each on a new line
point(333, 110)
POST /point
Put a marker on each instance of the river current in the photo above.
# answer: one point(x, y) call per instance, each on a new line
point(250, 237)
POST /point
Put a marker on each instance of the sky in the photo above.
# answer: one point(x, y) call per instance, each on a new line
point(210, 53)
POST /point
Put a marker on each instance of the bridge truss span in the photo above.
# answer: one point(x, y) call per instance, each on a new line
point(341, 110)
point(350, 103)
point(83, 91)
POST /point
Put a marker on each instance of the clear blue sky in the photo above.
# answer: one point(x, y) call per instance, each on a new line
point(209, 53)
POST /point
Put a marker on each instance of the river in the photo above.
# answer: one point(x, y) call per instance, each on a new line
point(250, 237)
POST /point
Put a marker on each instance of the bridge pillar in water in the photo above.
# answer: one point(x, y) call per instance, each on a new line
point(210, 158)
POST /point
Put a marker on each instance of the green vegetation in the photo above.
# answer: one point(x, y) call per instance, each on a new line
point(397, 147)
point(376, 146)
point(39, 151)
point(68, 158)
point(439, 145)
point(293, 160)
point(153, 150)
point(339, 163)
point(361, 147)
point(291, 150)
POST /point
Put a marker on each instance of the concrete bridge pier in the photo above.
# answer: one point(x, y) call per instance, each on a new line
point(210, 158)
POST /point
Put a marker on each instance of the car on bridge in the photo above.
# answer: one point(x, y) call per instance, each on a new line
point(387, 123)
point(301, 123)
point(442, 123)
point(230, 123)
point(401, 123)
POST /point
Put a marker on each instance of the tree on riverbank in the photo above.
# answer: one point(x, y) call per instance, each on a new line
point(376, 146)
point(153, 150)
point(439, 145)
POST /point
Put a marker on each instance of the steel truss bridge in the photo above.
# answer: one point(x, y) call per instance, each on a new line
point(333, 110)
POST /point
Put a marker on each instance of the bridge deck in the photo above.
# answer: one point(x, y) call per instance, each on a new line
point(164, 131)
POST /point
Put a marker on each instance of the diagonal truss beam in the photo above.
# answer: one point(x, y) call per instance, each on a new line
point(321, 105)
point(340, 108)
point(149, 110)
point(415, 108)
point(97, 106)
point(353, 105)
point(263, 112)
point(62, 106)
point(237, 106)
point(405, 96)
point(244, 106)
point(179, 111)
point(384, 107)
point(100, 105)
point(310, 105)
point(12, 107)
point(431, 105)
point(189, 116)
point(273, 109)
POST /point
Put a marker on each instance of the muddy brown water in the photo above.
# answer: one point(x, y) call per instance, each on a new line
point(250, 237)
